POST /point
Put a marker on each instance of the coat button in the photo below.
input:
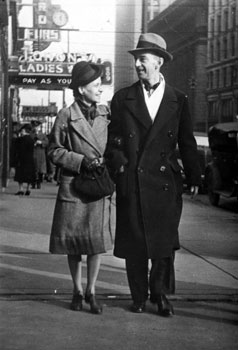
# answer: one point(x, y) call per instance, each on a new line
point(162, 154)
point(166, 187)
point(162, 168)
point(132, 134)
point(170, 133)
point(140, 170)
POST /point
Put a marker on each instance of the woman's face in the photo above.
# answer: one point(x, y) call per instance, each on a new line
point(92, 91)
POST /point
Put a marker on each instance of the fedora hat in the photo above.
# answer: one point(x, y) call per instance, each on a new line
point(84, 73)
point(152, 43)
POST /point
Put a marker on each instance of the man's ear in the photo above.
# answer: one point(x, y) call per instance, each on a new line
point(161, 61)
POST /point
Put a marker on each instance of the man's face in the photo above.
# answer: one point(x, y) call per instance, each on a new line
point(92, 91)
point(147, 65)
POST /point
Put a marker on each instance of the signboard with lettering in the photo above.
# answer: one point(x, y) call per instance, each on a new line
point(49, 69)
point(39, 111)
point(39, 34)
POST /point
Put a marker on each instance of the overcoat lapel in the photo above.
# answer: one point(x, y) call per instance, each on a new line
point(84, 129)
point(136, 105)
point(166, 111)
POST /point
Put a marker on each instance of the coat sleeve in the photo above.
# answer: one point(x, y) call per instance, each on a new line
point(188, 146)
point(59, 150)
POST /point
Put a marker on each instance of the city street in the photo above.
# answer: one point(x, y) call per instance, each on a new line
point(36, 287)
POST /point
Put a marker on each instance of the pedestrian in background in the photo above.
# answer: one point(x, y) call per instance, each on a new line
point(23, 160)
point(77, 143)
point(50, 168)
point(148, 120)
point(40, 145)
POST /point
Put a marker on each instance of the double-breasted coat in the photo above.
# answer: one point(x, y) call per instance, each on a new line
point(80, 226)
point(149, 191)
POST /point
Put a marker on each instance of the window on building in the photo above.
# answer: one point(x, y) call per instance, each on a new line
point(226, 110)
point(232, 44)
point(212, 113)
point(218, 78)
point(225, 47)
point(212, 26)
point(226, 19)
point(211, 80)
point(224, 76)
point(233, 16)
point(218, 50)
point(211, 53)
point(219, 23)
point(234, 75)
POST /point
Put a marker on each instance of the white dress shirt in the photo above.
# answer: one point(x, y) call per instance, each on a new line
point(153, 100)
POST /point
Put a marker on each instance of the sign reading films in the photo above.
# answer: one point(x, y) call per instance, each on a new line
point(46, 69)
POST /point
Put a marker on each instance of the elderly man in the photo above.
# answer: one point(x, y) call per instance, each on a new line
point(148, 120)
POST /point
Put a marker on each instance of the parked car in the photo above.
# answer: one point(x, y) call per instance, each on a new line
point(221, 173)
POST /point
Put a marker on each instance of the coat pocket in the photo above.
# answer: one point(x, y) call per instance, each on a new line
point(66, 191)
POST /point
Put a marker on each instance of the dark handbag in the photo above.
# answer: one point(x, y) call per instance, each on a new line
point(94, 184)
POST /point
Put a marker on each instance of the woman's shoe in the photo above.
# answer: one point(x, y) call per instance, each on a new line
point(95, 307)
point(27, 193)
point(77, 302)
point(19, 193)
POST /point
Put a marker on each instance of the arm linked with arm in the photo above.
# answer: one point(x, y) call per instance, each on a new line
point(115, 156)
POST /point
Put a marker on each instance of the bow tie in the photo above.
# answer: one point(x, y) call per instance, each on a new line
point(151, 88)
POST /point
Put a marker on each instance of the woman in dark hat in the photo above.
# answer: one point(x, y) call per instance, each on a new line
point(77, 142)
point(24, 162)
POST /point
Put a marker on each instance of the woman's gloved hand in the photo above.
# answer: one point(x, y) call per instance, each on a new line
point(90, 164)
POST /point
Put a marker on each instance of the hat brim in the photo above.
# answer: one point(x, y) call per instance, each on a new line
point(155, 51)
point(98, 72)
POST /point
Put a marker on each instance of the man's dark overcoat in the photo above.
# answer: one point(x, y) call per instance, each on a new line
point(149, 191)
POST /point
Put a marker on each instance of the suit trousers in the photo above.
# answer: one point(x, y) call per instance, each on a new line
point(159, 280)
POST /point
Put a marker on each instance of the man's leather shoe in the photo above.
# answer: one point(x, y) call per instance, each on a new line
point(164, 307)
point(77, 302)
point(94, 306)
point(138, 308)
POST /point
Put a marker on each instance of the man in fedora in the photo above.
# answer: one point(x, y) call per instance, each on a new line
point(149, 119)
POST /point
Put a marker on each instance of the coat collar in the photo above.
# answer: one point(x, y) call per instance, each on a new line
point(136, 104)
point(93, 134)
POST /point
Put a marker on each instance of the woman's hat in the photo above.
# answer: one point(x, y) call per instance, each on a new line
point(152, 43)
point(84, 73)
point(26, 127)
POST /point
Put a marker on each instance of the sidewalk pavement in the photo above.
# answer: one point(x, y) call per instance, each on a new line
point(35, 292)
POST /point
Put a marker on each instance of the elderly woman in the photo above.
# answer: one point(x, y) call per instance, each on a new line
point(77, 142)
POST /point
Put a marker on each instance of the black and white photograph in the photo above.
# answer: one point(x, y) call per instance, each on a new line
point(118, 174)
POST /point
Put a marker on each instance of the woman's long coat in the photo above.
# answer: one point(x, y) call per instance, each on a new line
point(149, 191)
point(80, 226)
point(23, 159)
point(40, 153)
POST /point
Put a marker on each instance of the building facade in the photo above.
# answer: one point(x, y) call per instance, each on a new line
point(184, 26)
point(222, 62)
point(129, 25)
point(8, 97)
